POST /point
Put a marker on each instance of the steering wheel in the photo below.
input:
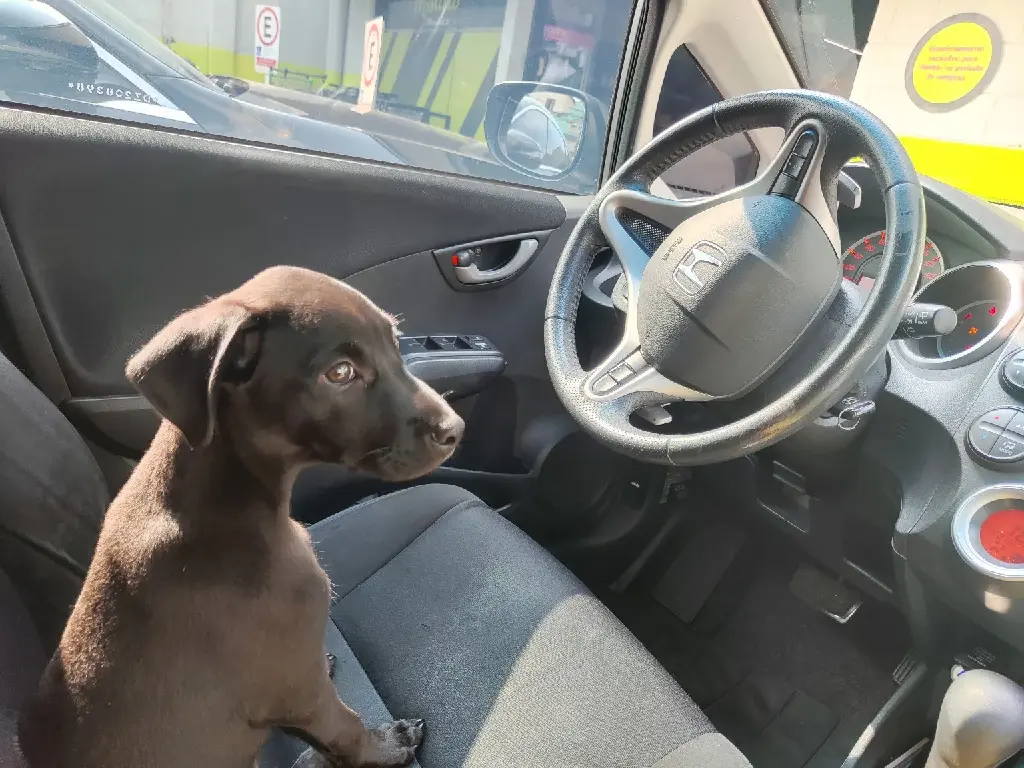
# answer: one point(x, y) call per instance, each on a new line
point(738, 282)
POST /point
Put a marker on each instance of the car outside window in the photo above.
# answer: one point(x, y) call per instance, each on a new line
point(946, 77)
point(194, 65)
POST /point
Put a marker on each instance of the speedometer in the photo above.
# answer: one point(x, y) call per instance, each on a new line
point(863, 259)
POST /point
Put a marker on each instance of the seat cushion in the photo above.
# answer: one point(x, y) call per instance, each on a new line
point(459, 618)
point(21, 663)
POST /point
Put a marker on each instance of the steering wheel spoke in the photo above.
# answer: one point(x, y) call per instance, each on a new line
point(626, 372)
point(796, 173)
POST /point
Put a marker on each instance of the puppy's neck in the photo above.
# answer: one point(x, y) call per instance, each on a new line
point(217, 478)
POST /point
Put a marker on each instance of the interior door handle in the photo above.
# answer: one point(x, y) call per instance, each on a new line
point(473, 275)
point(483, 265)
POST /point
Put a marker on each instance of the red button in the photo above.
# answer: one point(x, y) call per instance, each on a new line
point(1002, 536)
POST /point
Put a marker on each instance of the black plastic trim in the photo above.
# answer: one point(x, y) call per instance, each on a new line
point(634, 70)
point(27, 331)
point(174, 243)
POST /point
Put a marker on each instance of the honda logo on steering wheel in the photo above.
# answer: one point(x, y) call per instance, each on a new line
point(702, 259)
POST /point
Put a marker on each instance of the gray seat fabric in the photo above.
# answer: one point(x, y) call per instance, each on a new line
point(21, 663)
point(52, 500)
point(444, 611)
point(457, 617)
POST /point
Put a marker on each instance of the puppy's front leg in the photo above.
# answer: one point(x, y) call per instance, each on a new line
point(339, 733)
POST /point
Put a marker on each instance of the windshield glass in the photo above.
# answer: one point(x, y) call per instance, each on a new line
point(944, 76)
point(137, 34)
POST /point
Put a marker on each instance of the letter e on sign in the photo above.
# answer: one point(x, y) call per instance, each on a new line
point(373, 43)
point(268, 37)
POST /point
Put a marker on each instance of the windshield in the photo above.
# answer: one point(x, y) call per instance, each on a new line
point(944, 76)
point(137, 34)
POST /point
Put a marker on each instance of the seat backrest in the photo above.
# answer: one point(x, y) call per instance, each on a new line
point(52, 500)
point(21, 662)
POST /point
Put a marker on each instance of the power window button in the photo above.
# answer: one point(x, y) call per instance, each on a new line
point(479, 343)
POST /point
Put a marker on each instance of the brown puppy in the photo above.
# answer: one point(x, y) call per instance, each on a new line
point(200, 624)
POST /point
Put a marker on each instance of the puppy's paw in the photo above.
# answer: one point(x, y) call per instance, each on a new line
point(395, 744)
point(406, 733)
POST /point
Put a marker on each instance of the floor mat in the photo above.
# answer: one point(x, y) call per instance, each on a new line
point(789, 686)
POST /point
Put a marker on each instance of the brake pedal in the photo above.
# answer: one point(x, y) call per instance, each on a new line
point(825, 594)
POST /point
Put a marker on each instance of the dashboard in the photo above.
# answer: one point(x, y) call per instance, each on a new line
point(922, 503)
point(940, 454)
point(953, 239)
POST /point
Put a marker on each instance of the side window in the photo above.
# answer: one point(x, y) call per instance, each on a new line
point(712, 169)
point(397, 81)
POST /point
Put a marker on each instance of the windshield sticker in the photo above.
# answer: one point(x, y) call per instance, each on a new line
point(112, 92)
point(953, 62)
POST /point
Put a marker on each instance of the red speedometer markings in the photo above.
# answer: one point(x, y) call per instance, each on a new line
point(861, 259)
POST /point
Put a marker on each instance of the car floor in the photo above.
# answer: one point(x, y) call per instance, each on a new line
point(787, 684)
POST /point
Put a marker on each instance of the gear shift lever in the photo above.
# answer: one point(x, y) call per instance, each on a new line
point(981, 722)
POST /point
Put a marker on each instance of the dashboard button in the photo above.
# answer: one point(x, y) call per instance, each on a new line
point(795, 166)
point(982, 436)
point(786, 186)
point(604, 385)
point(621, 373)
point(1000, 417)
point(805, 144)
point(1008, 448)
point(1012, 374)
point(1016, 425)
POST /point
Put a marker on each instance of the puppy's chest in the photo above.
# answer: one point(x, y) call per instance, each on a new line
point(298, 577)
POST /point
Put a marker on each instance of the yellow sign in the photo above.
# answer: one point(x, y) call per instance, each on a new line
point(954, 62)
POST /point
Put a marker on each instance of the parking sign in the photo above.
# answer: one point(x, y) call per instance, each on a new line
point(373, 42)
point(268, 37)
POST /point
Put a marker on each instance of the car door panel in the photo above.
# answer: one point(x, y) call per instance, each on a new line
point(118, 228)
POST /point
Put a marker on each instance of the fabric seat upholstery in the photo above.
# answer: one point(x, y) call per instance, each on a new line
point(454, 615)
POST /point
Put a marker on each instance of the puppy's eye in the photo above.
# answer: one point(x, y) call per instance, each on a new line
point(341, 373)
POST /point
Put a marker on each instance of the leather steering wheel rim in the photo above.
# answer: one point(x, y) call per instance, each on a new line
point(844, 130)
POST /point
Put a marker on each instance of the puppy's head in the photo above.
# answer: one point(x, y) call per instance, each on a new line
point(298, 365)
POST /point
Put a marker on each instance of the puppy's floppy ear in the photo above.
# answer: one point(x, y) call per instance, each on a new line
point(181, 369)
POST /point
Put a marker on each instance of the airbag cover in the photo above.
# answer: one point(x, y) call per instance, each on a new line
point(731, 290)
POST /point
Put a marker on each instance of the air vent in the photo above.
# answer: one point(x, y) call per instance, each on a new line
point(648, 233)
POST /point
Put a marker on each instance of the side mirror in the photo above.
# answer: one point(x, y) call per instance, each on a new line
point(232, 86)
point(36, 37)
point(539, 129)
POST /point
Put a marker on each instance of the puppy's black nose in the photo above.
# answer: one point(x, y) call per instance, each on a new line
point(447, 433)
